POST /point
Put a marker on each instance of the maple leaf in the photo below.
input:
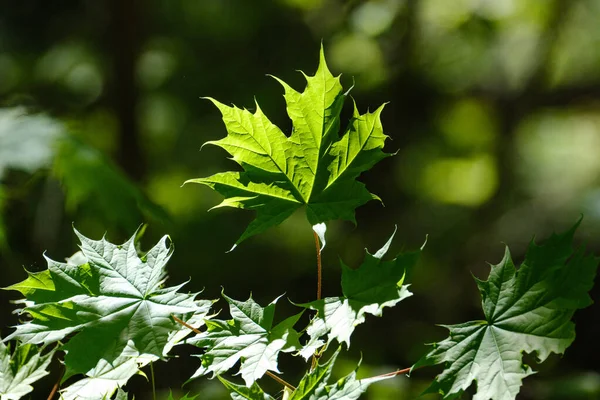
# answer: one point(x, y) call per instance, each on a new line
point(315, 384)
point(313, 167)
point(20, 369)
point(110, 298)
point(249, 337)
point(376, 284)
point(104, 379)
point(241, 392)
point(526, 310)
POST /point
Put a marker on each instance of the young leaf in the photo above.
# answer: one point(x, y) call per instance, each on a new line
point(315, 386)
point(314, 383)
point(249, 337)
point(20, 369)
point(110, 298)
point(526, 310)
point(367, 290)
point(313, 167)
point(241, 392)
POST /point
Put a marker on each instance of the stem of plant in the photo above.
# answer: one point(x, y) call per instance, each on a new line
point(279, 380)
point(268, 373)
point(56, 386)
point(153, 381)
point(396, 373)
point(319, 271)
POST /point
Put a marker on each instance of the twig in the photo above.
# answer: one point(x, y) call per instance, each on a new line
point(319, 273)
point(396, 373)
point(279, 380)
point(186, 324)
point(153, 381)
point(56, 385)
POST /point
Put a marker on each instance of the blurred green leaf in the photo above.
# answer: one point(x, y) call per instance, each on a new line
point(92, 180)
point(27, 141)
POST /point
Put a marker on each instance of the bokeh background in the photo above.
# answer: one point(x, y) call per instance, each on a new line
point(494, 109)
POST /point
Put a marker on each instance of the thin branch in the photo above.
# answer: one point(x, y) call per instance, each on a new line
point(395, 373)
point(56, 385)
point(279, 380)
point(153, 381)
point(186, 324)
point(319, 272)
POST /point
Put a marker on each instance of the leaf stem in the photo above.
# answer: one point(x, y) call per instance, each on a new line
point(186, 324)
point(279, 380)
point(56, 386)
point(396, 373)
point(153, 381)
point(319, 268)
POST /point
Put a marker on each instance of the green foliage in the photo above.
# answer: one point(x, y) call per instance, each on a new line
point(107, 306)
point(20, 369)
point(109, 296)
point(367, 290)
point(91, 179)
point(313, 167)
point(526, 310)
point(249, 337)
point(241, 392)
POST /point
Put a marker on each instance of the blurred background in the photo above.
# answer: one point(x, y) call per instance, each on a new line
point(494, 111)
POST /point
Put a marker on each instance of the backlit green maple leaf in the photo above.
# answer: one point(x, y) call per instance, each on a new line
point(20, 369)
point(376, 284)
point(313, 167)
point(249, 337)
point(526, 310)
point(110, 298)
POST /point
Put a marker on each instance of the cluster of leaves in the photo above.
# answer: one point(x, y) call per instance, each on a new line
point(108, 309)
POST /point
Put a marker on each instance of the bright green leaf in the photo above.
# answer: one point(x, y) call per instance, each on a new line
point(249, 337)
point(376, 284)
point(526, 310)
point(313, 167)
point(241, 392)
point(315, 384)
point(20, 369)
point(110, 298)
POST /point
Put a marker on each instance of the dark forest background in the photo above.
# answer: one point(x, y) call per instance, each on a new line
point(494, 111)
